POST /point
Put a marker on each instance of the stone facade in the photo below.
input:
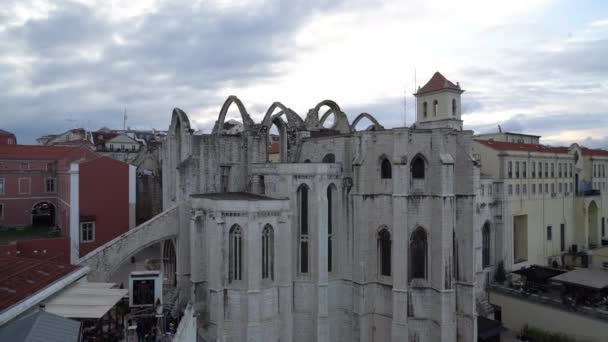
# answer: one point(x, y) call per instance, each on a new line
point(376, 233)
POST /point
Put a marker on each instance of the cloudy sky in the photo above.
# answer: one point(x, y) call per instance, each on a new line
point(535, 66)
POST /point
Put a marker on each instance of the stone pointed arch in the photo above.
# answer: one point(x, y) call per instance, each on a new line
point(341, 120)
point(247, 121)
point(293, 119)
point(364, 115)
point(179, 119)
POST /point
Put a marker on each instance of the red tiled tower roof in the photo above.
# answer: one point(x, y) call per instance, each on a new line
point(438, 82)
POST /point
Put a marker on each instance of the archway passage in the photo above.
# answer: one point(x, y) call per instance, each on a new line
point(592, 225)
point(43, 215)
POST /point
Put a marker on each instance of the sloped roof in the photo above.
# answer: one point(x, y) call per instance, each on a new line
point(594, 152)
point(25, 152)
point(41, 326)
point(22, 277)
point(438, 82)
point(5, 132)
point(509, 146)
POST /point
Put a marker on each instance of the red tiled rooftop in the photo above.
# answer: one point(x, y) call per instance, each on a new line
point(438, 82)
point(274, 148)
point(509, 146)
point(25, 152)
point(21, 277)
point(593, 152)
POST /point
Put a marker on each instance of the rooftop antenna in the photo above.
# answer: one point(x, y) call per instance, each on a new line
point(415, 102)
point(124, 122)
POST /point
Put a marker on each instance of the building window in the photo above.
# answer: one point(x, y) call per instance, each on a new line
point(50, 167)
point(24, 186)
point(603, 225)
point(552, 188)
point(559, 188)
point(525, 169)
point(225, 178)
point(50, 185)
point(424, 109)
point(454, 107)
point(87, 231)
point(524, 189)
point(594, 170)
point(559, 170)
point(517, 189)
point(533, 169)
point(435, 107)
point(482, 190)
point(25, 166)
point(516, 169)
point(331, 190)
point(489, 189)
point(268, 252)
point(546, 170)
point(418, 254)
point(329, 158)
point(552, 170)
point(417, 167)
point(485, 234)
point(2, 211)
point(2, 186)
point(549, 233)
point(235, 253)
point(510, 169)
point(546, 188)
point(386, 170)
point(540, 170)
point(303, 223)
point(510, 189)
point(533, 189)
point(384, 252)
point(540, 188)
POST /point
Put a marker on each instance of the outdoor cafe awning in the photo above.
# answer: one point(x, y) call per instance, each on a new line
point(85, 300)
point(595, 279)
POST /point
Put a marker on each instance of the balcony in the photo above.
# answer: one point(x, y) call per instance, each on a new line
point(589, 192)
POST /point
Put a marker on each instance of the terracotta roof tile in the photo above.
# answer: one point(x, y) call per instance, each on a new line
point(21, 277)
point(509, 146)
point(438, 82)
point(593, 152)
point(36, 152)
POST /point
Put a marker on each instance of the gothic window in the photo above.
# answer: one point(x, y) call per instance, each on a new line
point(331, 190)
point(417, 167)
point(236, 253)
point(384, 252)
point(268, 252)
point(435, 107)
point(418, 254)
point(225, 178)
point(485, 249)
point(329, 158)
point(424, 109)
point(386, 169)
point(453, 107)
point(303, 227)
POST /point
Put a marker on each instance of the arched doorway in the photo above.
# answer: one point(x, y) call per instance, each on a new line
point(169, 267)
point(592, 225)
point(43, 214)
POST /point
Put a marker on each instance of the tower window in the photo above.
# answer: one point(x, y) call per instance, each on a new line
point(485, 233)
point(435, 107)
point(386, 170)
point(384, 252)
point(417, 167)
point(424, 109)
point(236, 253)
point(418, 254)
point(303, 236)
point(453, 107)
point(268, 252)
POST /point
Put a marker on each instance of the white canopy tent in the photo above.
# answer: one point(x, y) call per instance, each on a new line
point(85, 300)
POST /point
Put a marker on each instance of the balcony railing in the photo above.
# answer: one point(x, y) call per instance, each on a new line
point(590, 192)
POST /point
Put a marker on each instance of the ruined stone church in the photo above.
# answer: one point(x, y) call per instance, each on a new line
point(367, 235)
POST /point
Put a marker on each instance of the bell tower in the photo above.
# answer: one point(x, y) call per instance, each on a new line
point(438, 104)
